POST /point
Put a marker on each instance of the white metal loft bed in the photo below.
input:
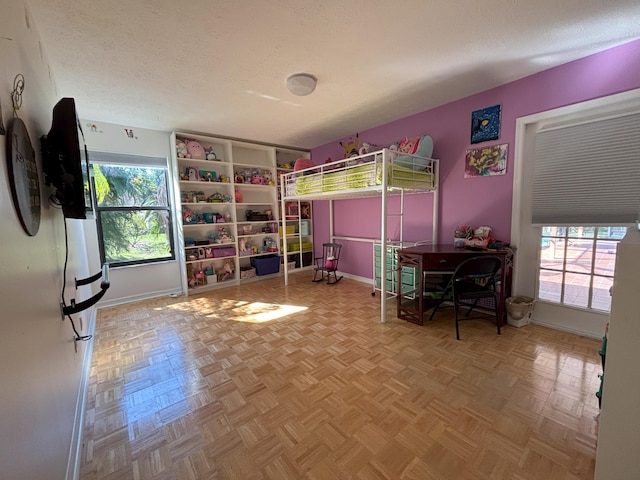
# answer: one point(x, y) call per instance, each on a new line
point(382, 173)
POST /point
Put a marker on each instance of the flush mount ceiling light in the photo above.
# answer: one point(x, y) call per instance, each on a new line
point(301, 84)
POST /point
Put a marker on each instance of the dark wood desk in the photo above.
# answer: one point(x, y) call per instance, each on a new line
point(440, 260)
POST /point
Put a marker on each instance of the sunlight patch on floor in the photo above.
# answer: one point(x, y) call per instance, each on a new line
point(258, 312)
point(238, 310)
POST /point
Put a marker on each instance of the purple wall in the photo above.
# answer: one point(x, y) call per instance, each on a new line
point(471, 201)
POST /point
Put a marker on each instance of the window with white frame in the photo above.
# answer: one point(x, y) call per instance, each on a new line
point(577, 265)
point(133, 213)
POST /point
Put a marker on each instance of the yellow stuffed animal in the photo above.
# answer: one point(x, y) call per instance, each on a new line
point(350, 148)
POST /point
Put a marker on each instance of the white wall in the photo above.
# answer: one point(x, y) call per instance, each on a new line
point(140, 281)
point(40, 372)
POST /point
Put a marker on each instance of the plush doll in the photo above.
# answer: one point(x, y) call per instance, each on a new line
point(209, 154)
point(194, 150)
point(181, 149)
point(188, 216)
point(257, 178)
point(226, 270)
point(192, 174)
point(364, 148)
point(350, 148)
point(409, 145)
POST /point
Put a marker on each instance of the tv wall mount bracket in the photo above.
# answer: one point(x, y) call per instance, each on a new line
point(90, 302)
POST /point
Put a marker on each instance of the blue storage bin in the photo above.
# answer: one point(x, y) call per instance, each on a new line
point(266, 265)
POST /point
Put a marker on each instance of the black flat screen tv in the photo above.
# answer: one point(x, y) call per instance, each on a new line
point(65, 161)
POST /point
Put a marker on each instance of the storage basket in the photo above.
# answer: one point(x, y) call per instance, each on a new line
point(519, 310)
point(220, 252)
point(266, 265)
point(256, 217)
point(247, 272)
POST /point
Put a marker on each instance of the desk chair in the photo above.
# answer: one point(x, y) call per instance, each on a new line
point(326, 266)
point(473, 280)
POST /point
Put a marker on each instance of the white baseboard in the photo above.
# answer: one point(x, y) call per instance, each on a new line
point(138, 298)
point(575, 331)
point(75, 449)
point(357, 278)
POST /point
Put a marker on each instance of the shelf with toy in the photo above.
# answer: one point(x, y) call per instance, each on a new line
point(208, 274)
point(230, 184)
point(255, 245)
point(262, 227)
point(246, 175)
point(199, 147)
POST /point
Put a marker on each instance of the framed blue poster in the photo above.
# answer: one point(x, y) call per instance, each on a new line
point(485, 124)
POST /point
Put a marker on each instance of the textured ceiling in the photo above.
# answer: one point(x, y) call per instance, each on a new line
point(221, 66)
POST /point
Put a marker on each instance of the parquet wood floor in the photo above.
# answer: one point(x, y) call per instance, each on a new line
point(266, 382)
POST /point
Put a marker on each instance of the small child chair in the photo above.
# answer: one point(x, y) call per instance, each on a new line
point(326, 266)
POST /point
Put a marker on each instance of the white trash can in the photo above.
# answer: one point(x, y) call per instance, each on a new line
point(519, 310)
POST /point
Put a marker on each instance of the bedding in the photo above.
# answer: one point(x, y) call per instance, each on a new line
point(363, 176)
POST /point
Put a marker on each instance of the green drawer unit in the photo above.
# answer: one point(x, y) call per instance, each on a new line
point(409, 276)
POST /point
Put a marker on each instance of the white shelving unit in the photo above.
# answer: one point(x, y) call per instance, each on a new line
point(297, 227)
point(229, 212)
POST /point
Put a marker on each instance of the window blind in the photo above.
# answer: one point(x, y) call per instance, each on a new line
point(127, 160)
point(588, 174)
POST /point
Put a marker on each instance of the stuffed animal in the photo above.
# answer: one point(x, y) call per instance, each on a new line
point(409, 145)
point(364, 148)
point(181, 149)
point(226, 270)
point(192, 174)
point(188, 216)
point(350, 148)
point(209, 154)
point(257, 178)
point(194, 150)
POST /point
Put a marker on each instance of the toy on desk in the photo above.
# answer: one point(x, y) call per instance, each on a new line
point(460, 234)
point(480, 239)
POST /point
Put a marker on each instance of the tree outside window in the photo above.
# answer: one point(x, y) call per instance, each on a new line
point(133, 214)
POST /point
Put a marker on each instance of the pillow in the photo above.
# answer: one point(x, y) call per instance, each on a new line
point(425, 149)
